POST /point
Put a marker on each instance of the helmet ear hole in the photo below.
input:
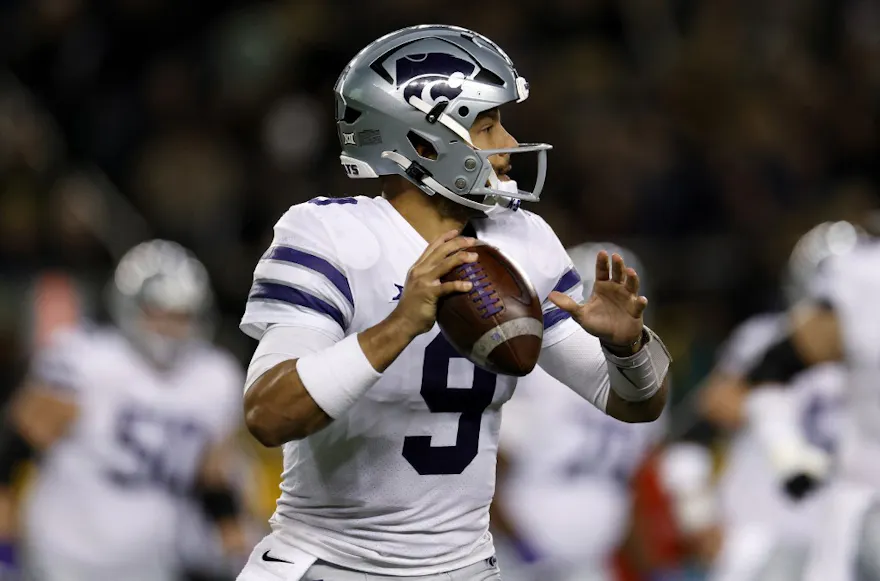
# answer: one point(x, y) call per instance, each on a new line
point(422, 146)
point(351, 115)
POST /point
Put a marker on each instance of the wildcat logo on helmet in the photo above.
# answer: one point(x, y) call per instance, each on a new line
point(433, 77)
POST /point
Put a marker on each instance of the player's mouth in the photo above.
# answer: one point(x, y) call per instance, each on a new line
point(502, 174)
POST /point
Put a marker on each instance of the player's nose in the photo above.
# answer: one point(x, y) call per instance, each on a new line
point(509, 140)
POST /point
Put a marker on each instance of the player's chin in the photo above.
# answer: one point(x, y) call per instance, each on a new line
point(450, 209)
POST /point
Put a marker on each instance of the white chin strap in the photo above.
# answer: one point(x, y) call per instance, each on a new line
point(431, 186)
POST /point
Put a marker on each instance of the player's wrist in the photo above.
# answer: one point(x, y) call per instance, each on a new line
point(401, 326)
point(384, 342)
point(629, 349)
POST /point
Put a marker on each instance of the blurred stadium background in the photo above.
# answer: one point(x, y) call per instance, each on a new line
point(701, 134)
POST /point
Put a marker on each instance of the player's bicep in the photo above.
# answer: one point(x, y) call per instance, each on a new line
point(283, 343)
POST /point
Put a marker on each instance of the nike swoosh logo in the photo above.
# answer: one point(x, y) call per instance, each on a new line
point(623, 372)
point(270, 559)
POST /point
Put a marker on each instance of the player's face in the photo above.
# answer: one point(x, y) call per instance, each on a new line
point(170, 324)
point(487, 132)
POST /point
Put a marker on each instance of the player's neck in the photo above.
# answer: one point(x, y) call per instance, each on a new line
point(424, 213)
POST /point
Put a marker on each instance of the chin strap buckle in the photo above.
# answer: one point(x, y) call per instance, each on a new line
point(435, 112)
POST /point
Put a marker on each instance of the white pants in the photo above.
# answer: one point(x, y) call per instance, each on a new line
point(836, 548)
point(272, 560)
point(548, 569)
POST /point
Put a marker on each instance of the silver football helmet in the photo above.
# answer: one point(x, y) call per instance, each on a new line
point(584, 258)
point(161, 299)
point(427, 84)
point(827, 240)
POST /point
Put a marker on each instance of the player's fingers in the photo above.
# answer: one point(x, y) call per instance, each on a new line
point(454, 286)
point(640, 306)
point(563, 301)
point(632, 281)
point(436, 243)
point(451, 262)
point(617, 268)
point(603, 269)
point(448, 248)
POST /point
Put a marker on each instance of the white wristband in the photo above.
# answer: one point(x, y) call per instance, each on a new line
point(639, 376)
point(337, 376)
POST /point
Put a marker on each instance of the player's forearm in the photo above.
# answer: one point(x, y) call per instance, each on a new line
point(289, 403)
point(279, 409)
point(7, 515)
point(633, 412)
point(384, 342)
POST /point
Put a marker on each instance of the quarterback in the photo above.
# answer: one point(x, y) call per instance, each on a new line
point(389, 435)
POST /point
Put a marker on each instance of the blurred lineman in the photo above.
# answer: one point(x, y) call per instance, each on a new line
point(767, 530)
point(125, 422)
point(389, 434)
point(838, 323)
point(771, 509)
point(564, 492)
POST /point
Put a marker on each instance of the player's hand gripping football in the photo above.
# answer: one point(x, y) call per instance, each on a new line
point(613, 313)
point(417, 309)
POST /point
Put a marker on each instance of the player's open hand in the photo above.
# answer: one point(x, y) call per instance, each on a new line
point(417, 308)
point(613, 313)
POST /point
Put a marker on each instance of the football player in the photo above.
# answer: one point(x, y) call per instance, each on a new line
point(765, 521)
point(389, 434)
point(565, 485)
point(785, 436)
point(125, 423)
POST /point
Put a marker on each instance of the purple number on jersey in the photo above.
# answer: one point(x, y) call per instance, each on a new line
point(470, 403)
point(159, 451)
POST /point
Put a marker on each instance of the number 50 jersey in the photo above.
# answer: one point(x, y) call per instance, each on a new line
point(402, 481)
point(108, 492)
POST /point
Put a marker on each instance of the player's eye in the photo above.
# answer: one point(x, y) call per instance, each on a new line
point(488, 128)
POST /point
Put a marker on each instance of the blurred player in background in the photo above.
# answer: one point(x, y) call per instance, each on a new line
point(389, 434)
point(838, 322)
point(125, 422)
point(563, 495)
point(783, 436)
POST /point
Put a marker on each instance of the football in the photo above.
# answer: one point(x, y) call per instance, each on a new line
point(498, 325)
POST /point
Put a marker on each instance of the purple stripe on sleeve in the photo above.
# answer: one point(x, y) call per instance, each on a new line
point(279, 292)
point(312, 262)
point(554, 316)
point(568, 281)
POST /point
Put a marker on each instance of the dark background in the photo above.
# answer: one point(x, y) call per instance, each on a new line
point(705, 135)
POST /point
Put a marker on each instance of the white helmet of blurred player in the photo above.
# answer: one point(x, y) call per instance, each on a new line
point(827, 240)
point(161, 299)
point(584, 258)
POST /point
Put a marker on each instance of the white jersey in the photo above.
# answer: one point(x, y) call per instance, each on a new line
point(108, 492)
point(403, 480)
point(851, 284)
point(750, 488)
point(567, 491)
